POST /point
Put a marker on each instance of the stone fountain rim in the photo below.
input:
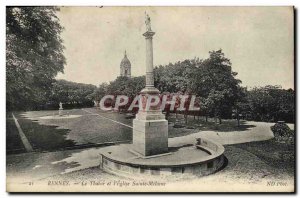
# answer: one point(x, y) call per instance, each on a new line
point(203, 160)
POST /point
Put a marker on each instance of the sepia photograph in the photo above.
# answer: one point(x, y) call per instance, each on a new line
point(156, 99)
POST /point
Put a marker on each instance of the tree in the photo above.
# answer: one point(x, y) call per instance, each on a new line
point(271, 103)
point(100, 92)
point(129, 87)
point(72, 94)
point(174, 78)
point(215, 83)
point(241, 105)
point(34, 55)
point(126, 86)
point(211, 79)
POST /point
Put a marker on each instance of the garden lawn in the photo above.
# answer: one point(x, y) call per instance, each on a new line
point(278, 155)
point(13, 141)
point(42, 137)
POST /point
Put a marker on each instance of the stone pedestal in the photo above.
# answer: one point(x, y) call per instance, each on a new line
point(150, 137)
point(60, 111)
point(150, 128)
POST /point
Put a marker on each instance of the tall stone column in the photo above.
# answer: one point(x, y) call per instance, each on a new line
point(149, 59)
point(150, 89)
point(150, 128)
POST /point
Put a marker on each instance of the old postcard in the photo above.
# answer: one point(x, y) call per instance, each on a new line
point(150, 99)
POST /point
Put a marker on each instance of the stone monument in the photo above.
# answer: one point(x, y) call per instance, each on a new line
point(60, 110)
point(150, 128)
point(148, 154)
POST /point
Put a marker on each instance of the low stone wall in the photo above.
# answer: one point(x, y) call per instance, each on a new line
point(200, 169)
point(204, 166)
point(210, 146)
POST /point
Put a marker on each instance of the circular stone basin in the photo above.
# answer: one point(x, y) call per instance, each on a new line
point(203, 158)
point(60, 117)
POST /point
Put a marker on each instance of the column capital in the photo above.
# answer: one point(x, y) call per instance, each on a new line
point(150, 90)
point(148, 34)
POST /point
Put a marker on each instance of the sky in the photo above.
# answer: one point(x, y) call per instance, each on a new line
point(259, 41)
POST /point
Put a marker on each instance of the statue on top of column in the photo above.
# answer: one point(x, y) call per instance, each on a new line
point(147, 22)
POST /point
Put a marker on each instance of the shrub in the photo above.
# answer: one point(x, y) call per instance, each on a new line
point(283, 133)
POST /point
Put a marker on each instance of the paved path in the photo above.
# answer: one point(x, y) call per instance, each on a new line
point(23, 137)
point(260, 132)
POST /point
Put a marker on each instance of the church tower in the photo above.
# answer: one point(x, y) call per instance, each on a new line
point(125, 67)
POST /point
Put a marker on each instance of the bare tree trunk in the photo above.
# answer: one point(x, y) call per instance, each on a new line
point(167, 115)
point(215, 118)
point(186, 117)
point(238, 117)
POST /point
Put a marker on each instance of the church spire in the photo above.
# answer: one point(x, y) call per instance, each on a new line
point(125, 66)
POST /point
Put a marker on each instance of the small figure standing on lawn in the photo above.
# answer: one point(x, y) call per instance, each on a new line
point(60, 113)
point(60, 105)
